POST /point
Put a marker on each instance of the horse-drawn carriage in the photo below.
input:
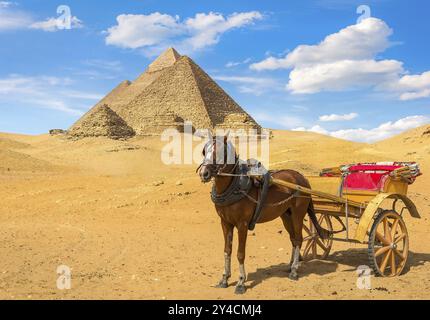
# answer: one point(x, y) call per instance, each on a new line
point(371, 195)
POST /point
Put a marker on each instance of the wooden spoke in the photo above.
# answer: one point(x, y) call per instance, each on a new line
point(381, 251)
point(315, 247)
point(397, 252)
point(394, 229)
point(307, 248)
point(393, 264)
point(321, 245)
point(387, 230)
point(396, 241)
point(307, 230)
point(382, 239)
point(385, 261)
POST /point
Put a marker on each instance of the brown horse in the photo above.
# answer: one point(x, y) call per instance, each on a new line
point(240, 213)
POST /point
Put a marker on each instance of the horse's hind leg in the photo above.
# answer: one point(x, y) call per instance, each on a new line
point(288, 224)
point(293, 222)
point(228, 241)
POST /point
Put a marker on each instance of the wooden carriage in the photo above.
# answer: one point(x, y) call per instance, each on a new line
point(372, 196)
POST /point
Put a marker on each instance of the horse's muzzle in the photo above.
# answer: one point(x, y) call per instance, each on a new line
point(205, 174)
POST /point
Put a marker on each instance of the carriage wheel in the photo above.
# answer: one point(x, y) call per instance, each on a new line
point(388, 244)
point(314, 246)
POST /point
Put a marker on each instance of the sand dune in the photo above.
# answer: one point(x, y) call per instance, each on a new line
point(131, 227)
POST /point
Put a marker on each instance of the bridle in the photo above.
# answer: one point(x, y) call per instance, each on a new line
point(218, 169)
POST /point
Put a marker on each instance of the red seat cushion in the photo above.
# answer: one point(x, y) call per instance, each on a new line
point(364, 181)
point(373, 167)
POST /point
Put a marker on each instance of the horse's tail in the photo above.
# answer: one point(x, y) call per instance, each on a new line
point(323, 233)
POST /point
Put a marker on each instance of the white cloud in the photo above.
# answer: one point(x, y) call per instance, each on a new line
point(45, 92)
point(287, 122)
point(136, 31)
point(12, 19)
point(415, 86)
point(5, 4)
point(381, 132)
point(253, 85)
point(348, 60)
point(357, 42)
point(316, 128)
point(299, 107)
point(338, 117)
point(155, 31)
point(81, 95)
point(343, 75)
point(232, 64)
point(56, 24)
point(206, 29)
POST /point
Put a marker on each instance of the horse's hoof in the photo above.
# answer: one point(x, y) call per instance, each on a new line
point(222, 285)
point(241, 289)
point(293, 276)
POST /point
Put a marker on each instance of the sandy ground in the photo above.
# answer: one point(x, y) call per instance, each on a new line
point(94, 206)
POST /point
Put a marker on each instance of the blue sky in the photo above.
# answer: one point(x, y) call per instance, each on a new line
point(299, 65)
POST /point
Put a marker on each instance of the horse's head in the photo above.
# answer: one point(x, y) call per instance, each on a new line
point(219, 156)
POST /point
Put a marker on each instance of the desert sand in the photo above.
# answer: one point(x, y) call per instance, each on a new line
point(128, 230)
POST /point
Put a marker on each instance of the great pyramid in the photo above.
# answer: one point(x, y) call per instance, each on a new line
point(172, 90)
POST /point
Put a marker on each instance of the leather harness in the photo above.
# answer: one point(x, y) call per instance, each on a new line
point(236, 191)
point(239, 188)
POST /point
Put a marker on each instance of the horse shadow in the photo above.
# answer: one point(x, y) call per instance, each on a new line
point(350, 257)
point(320, 267)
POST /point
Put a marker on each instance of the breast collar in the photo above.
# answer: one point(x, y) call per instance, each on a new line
point(239, 187)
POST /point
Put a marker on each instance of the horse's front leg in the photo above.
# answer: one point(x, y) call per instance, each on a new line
point(242, 235)
point(228, 242)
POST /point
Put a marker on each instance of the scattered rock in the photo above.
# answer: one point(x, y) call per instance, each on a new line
point(158, 183)
point(124, 205)
point(334, 293)
point(56, 132)
point(126, 147)
point(381, 289)
point(179, 183)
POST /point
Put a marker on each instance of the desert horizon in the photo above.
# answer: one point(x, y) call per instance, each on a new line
point(130, 230)
point(216, 151)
